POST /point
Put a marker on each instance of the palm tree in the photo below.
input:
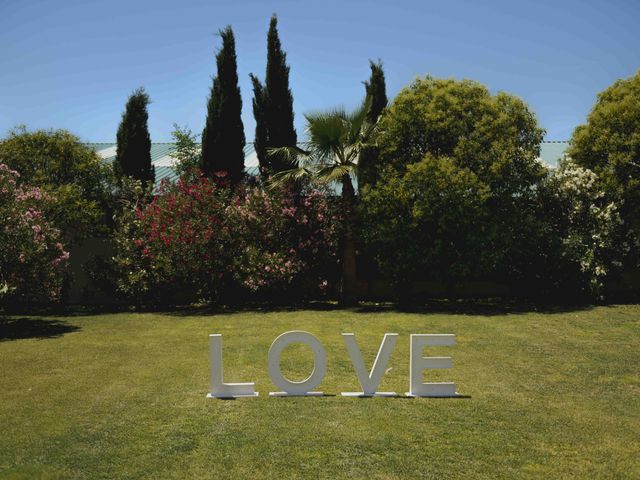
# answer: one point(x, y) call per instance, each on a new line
point(335, 140)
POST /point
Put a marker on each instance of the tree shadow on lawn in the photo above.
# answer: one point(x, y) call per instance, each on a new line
point(470, 307)
point(25, 327)
point(205, 310)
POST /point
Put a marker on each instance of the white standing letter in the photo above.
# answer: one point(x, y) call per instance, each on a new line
point(370, 381)
point(304, 387)
point(219, 389)
point(420, 363)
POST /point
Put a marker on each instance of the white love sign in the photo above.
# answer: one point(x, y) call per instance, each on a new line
point(369, 380)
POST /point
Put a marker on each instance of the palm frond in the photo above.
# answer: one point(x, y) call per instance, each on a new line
point(290, 155)
point(358, 119)
point(327, 131)
point(294, 175)
point(352, 152)
point(336, 138)
point(334, 173)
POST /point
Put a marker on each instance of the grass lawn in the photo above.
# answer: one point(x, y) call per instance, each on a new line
point(552, 395)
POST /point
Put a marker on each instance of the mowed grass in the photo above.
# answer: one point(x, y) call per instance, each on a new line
point(551, 395)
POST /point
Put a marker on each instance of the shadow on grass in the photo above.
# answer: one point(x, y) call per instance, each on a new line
point(455, 397)
point(205, 310)
point(470, 307)
point(25, 327)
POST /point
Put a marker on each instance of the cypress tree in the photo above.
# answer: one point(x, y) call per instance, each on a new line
point(133, 151)
point(211, 131)
point(259, 113)
point(274, 121)
point(376, 91)
point(223, 135)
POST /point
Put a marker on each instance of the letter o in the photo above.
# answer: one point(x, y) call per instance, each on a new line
point(319, 362)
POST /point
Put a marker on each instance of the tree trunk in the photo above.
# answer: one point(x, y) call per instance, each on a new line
point(348, 295)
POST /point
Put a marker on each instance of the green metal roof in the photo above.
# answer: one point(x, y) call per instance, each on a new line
point(550, 153)
point(163, 161)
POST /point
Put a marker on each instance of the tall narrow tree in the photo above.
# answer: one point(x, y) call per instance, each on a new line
point(223, 135)
point(274, 117)
point(376, 91)
point(133, 151)
point(262, 134)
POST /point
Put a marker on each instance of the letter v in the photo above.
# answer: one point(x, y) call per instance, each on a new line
point(370, 381)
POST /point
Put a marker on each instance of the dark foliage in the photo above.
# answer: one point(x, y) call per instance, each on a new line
point(133, 157)
point(260, 114)
point(223, 137)
point(273, 106)
point(368, 163)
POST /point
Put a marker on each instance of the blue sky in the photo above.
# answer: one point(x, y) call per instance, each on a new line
point(72, 64)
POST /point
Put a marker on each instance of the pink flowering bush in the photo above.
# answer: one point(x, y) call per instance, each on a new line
point(32, 257)
point(282, 238)
point(209, 241)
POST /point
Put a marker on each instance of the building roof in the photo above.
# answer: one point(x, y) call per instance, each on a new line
point(163, 161)
point(550, 153)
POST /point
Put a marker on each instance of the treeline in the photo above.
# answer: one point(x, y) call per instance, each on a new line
point(221, 151)
point(450, 189)
point(462, 196)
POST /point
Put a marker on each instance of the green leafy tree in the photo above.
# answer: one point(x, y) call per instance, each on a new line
point(273, 105)
point(495, 136)
point(609, 144)
point(129, 273)
point(336, 139)
point(186, 151)
point(133, 155)
point(426, 221)
point(376, 90)
point(223, 135)
point(495, 139)
point(79, 181)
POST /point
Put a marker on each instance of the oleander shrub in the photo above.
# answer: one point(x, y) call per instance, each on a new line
point(211, 242)
point(57, 162)
point(609, 145)
point(587, 238)
point(32, 256)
